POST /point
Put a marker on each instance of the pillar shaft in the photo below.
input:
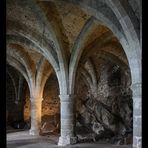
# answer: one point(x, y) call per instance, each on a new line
point(137, 124)
point(67, 120)
point(36, 106)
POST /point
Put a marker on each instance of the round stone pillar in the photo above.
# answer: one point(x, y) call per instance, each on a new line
point(36, 106)
point(137, 113)
point(67, 120)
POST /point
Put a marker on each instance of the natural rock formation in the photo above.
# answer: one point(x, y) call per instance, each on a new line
point(104, 121)
point(107, 115)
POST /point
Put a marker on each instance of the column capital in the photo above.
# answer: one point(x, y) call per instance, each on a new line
point(67, 97)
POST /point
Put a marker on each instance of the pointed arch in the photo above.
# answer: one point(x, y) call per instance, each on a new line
point(34, 40)
point(17, 65)
point(77, 51)
point(19, 53)
point(43, 73)
point(63, 61)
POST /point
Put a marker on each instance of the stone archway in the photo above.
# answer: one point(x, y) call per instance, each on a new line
point(132, 48)
point(42, 26)
point(104, 83)
point(51, 107)
point(134, 73)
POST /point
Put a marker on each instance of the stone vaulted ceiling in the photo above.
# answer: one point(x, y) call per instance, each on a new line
point(81, 48)
point(51, 28)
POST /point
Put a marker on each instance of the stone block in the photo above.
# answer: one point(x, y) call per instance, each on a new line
point(139, 145)
point(137, 142)
point(134, 141)
point(73, 140)
point(137, 111)
point(137, 126)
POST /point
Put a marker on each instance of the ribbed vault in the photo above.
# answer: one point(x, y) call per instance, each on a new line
point(61, 47)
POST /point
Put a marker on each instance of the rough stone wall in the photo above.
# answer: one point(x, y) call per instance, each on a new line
point(109, 115)
point(27, 107)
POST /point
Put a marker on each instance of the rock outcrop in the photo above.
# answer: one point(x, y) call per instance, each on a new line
point(105, 121)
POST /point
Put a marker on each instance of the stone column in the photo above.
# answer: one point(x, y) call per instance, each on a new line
point(137, 120)
point(36, 106)
point(67, 120)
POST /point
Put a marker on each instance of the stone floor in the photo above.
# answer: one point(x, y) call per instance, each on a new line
point(22, 139)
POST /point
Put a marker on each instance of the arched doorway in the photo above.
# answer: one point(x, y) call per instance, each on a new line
point(51, 107)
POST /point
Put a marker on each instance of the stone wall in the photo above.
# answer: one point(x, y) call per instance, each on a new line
point(109, 115)
point(27, 107)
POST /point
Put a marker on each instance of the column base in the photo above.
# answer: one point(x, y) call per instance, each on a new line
point(34, 132)
point(63, 141)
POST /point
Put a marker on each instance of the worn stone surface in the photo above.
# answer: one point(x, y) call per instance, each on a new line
point(23, 140)
point(96, 43)
point(109, 114)
point(50, 107)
